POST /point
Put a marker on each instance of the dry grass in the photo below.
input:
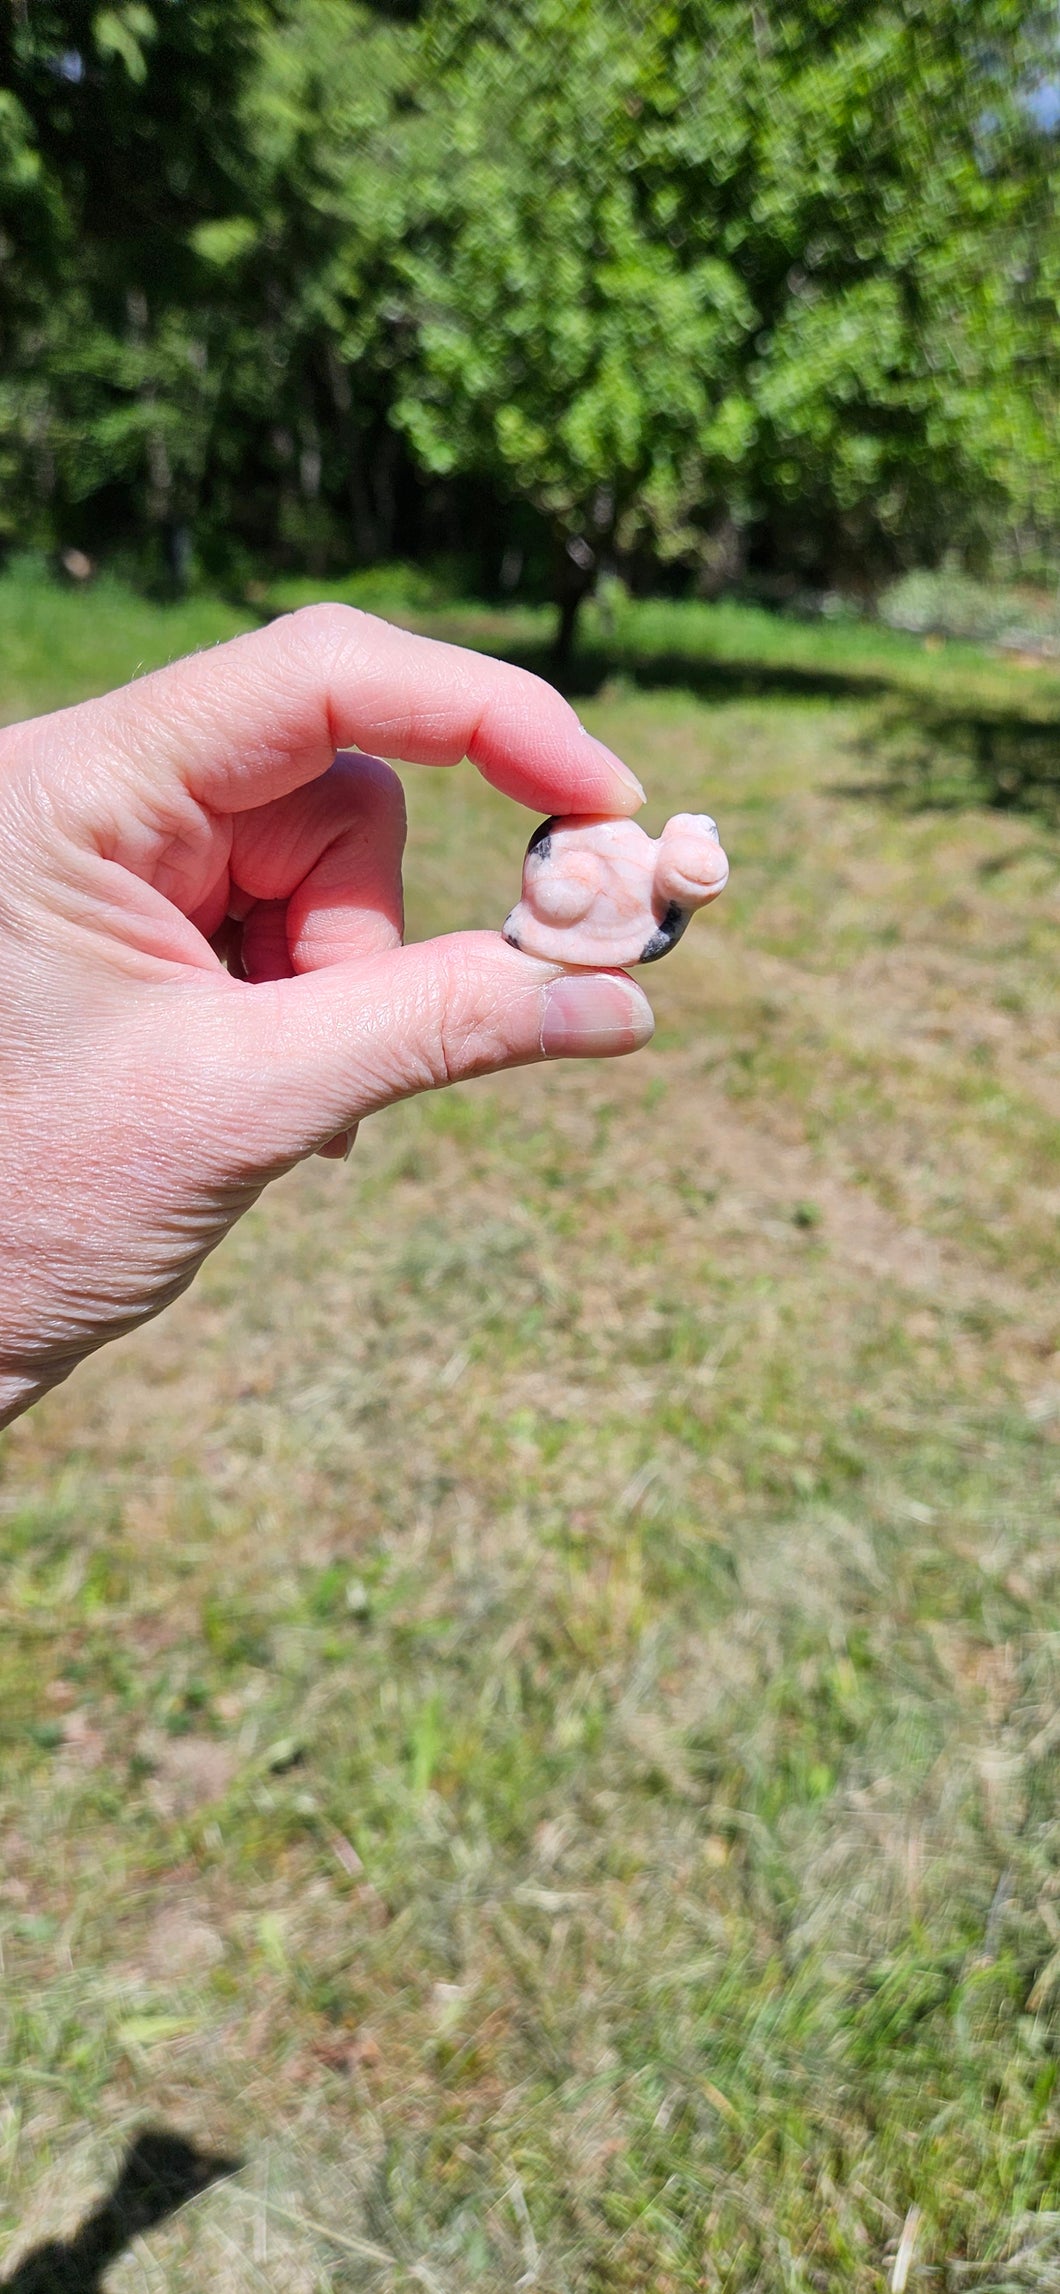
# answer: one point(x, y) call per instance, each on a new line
point(531, 1698)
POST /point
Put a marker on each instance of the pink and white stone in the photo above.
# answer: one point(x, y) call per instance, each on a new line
point(602, 892)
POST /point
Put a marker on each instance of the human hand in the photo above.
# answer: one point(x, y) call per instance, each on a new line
point(149, 1093)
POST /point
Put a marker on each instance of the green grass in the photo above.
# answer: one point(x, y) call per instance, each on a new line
point(58, 644)
point(530, 1697)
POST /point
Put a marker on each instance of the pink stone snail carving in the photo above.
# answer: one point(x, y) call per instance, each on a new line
point(602, 892)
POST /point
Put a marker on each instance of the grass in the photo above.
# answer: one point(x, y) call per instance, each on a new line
point(532, 1696)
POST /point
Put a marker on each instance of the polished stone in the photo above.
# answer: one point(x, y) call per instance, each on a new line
point(602, 892)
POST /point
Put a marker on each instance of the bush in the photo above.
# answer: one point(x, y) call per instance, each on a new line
point(950, 603)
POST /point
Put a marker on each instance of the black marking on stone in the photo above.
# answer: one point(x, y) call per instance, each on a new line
point(666, 935)
point(541, 841)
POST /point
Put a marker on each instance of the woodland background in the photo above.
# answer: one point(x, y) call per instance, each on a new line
point(701, 293)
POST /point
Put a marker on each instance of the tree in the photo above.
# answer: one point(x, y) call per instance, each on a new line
point(708, 268)
point(122, 125)
point(567, 347)
point(688, 285)
point(309, 274)
point(904, 372)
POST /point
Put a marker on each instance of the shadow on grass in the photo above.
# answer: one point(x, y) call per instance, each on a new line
point(936, 757)
point(709, 678)
point(933, 753)
point(160, 2173)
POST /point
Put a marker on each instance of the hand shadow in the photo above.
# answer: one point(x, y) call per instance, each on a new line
point(161, 2171)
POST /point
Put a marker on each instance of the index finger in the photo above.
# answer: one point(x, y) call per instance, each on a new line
point(263, 714)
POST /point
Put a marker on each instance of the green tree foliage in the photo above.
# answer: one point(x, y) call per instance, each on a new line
point(305, 459)
point(676, 284)
point(570, 343)
point(708, 267)
point(120, 136)
point(900, 216)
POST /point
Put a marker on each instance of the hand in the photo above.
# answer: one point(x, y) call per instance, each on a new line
point(148, 1092)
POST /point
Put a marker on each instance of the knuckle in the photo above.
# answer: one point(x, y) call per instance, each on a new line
point(438, 1041)
point(326, 619)
point(468, 1038)
point(440, 1048)
point(314, 630)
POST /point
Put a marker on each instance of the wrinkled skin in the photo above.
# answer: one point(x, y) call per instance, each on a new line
point(149, 1088)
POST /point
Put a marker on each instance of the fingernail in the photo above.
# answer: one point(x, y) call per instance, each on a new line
point(340, 1148)
point(592, 1015)
point(619, 772)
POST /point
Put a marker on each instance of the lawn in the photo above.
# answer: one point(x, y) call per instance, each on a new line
point(531, 1698)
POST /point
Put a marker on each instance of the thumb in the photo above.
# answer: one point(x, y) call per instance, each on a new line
point(316, 1053)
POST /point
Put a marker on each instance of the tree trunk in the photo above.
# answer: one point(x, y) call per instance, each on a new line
point(566, 623)
point(365, 540)
point(177, 553)
point(575, 576)
point(384, 492)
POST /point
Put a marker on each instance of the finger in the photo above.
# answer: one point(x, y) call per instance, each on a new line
point(336, 847)
point(263, 948)
point(253, 719)
point(315, 1054)
point(313, 877)
point(339, 1149)
point(330, 855)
